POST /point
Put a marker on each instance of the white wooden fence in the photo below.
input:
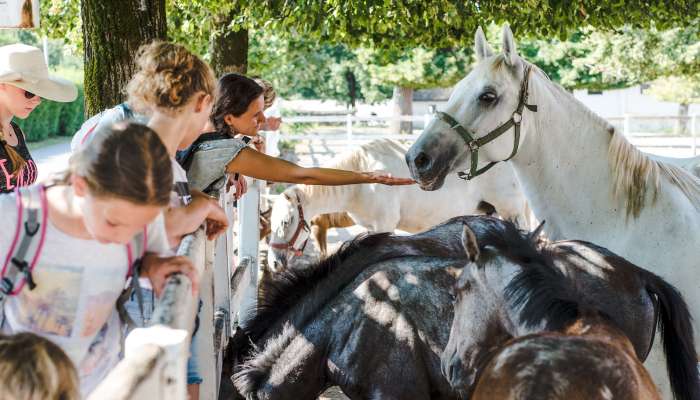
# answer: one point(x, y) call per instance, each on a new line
point(648, 138)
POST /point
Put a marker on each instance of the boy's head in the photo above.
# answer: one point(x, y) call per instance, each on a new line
point(33, 368)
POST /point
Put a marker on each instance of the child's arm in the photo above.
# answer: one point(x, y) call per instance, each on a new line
point(180, 221)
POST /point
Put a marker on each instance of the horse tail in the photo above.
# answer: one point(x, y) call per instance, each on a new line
point(677, 335)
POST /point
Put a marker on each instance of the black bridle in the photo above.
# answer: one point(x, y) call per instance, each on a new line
point(475, 143)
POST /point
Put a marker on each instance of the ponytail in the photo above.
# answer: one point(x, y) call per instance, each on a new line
point(18, 162)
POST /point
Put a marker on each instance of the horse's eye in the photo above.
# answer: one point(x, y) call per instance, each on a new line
point(488, 97)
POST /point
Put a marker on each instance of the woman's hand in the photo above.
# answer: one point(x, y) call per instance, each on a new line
point(158, 269)
point(216, 221)
point(385, 178)
point(259, 143)
point(271, 124)
point(240, 185)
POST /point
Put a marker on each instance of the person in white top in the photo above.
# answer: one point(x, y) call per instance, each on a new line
point(172, 92)
point(112, 197)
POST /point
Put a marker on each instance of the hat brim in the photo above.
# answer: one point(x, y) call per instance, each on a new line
point(52, 88)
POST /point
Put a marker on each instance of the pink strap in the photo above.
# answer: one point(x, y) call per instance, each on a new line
point(42, 238)
point(20, 212)
point(89, 132)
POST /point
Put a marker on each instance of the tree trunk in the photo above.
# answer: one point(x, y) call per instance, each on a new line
point(402, 104)
point(112, 33)
point(229, 49)
point(681, 127)
point(352, 87)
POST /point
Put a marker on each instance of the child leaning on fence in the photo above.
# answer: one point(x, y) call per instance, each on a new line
point(34, 368)
point(86, 232)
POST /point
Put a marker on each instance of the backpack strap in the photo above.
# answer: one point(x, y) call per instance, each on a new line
point(134, 286)
point(128, 112)
point(26, 246)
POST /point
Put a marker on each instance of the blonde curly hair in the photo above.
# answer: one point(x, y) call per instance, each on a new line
point(167, 76)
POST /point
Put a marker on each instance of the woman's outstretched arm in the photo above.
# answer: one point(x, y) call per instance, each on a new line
point(261, 166)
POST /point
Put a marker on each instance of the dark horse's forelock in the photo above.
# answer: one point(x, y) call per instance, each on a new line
point(540, 291)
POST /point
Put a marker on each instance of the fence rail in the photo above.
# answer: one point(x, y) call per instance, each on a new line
point(352, 133)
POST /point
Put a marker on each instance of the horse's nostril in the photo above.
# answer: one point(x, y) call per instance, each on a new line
point(422, 161)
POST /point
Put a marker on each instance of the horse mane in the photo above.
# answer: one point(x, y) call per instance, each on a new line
point(540, 291)
point(634, 172)
point(295, 296)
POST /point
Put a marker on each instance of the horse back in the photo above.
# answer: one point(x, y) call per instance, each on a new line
point(561, 367)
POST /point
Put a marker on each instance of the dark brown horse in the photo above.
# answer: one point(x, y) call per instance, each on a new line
point(374, 317)
point(540, 335)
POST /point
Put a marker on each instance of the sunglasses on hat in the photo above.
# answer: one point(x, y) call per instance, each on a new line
point(28, 95)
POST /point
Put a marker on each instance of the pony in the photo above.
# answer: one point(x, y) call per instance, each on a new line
point(577, 171)
point(381, 208)
point(322, 222)
point(539, 333)
point(372, 318)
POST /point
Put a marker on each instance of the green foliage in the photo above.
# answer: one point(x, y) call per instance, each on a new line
point(683, 90)
point(52, 119)
point(403, 24)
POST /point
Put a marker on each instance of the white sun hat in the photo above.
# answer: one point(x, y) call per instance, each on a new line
point(24, 67)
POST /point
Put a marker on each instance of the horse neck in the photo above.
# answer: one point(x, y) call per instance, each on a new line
point(563, 154)
point(318, 199)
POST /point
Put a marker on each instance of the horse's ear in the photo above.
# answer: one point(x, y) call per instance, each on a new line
point(471, 247)
point(509, 50)
point(481, 46)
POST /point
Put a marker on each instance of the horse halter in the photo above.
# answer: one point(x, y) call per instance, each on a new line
point(302, 234)
point(475, 143)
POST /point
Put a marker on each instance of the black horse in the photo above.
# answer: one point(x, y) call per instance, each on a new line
point(374, 318)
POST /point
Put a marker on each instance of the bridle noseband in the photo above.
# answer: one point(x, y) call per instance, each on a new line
point(302, 227)
point(475, 143)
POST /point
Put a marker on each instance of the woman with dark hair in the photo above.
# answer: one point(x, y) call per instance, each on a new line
point(239, 110)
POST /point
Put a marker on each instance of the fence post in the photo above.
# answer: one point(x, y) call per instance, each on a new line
point(694, 133)
point(348, 128)
point(426, 120)
point(245, 287)
point(626, 125)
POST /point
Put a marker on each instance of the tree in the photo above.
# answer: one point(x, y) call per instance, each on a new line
point(682, 90)
point(406, 71)
point(112, 33)
point(442, 24)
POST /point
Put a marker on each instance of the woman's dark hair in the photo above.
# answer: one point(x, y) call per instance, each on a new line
point(235, 93)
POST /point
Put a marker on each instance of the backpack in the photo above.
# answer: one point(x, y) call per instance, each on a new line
point(25, 249)
point(91, 124)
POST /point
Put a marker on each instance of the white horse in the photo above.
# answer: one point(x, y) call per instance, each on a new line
point(382, 208)
point(578, 173)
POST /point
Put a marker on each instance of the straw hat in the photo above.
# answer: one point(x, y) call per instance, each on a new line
point(24, 67)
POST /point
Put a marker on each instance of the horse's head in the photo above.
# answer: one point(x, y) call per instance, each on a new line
point(289, 229)
point(481, 105)
point(482, 319)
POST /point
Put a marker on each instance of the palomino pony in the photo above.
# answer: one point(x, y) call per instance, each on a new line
point(382, 208)
point(371, 317)
point(526, 326)
point(578, 173)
